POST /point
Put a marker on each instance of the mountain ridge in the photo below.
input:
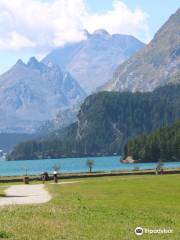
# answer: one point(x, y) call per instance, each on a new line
point(155, 65)
point(33, 93)
point(87, 60)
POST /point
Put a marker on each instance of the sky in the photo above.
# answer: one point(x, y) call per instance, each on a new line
point(35, 27)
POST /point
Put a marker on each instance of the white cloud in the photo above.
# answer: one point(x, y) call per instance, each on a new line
point(43, 25)
point(15, 41)
point(120, 20)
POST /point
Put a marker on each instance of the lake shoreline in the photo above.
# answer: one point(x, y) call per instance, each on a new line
point(64, 157)
point(75, 166)
point(63, 176)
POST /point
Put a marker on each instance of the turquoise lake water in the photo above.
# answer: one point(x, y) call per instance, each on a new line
point(72, 165)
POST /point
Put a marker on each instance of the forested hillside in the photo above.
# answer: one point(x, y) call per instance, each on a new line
point(106, 121)
point(163, 144)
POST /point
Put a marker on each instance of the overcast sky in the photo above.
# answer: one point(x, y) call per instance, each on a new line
point(34, 27)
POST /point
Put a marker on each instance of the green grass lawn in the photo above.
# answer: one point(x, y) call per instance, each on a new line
point(99, 209)
point(2, 188)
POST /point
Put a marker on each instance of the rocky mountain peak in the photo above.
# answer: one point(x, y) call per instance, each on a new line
point(92, 61)
point(20, 62)
point(33, 60)
point(86, 33)
point(101, 32)
point(33, 63)
point(34, 93)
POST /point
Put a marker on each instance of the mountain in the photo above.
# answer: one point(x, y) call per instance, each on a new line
point(106, 121)
point(92, 61)
point(64, 118)
point(33, 93)
point(163, 144)
point(9, 140)
point(155, 65)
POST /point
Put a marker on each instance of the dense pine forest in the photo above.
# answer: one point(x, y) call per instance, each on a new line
point(106, 121)
point(163, 144)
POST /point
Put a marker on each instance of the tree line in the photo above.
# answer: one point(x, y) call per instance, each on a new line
point(161, 145)
point(106, 121)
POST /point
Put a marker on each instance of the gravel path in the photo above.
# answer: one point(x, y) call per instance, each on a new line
point(25, 194)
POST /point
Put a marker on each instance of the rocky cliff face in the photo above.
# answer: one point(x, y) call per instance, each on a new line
point(93, 61)
point(156, 64)
point(33, 93)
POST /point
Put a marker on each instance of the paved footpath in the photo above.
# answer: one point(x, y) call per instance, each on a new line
point(25, 194)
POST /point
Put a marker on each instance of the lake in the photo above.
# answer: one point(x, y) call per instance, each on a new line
point(72, 165)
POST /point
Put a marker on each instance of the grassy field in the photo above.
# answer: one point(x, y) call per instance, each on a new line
point(2, 188)
point(99, 209)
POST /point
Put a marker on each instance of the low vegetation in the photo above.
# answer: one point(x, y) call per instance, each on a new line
point(105, 208)
point(90, 164)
